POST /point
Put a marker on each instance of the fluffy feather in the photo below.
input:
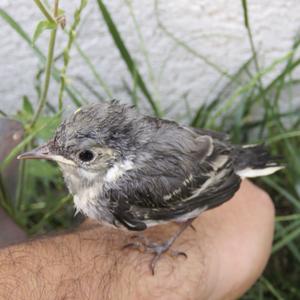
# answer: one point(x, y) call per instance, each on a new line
point(148, 170)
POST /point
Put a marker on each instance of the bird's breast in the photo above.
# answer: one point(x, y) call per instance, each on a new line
point(86, 187)
point(90, 202)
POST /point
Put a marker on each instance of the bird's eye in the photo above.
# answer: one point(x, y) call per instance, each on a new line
point(86, 155)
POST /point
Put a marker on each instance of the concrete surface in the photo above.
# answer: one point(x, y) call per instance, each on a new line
point(213, 28)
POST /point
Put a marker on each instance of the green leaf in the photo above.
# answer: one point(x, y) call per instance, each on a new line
point(52, 123)
point(25, 114)
point(27, 107)
point(45, 169)
point(61, 12)
point(41, 27)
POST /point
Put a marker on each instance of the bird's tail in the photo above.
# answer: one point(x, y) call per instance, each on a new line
point(254, 161)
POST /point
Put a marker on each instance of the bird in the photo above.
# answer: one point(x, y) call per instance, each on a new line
point(133, 171)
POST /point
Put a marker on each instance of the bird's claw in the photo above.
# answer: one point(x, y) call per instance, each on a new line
point(175, 253)
point(193, 227)
point(135, 245)
point(158, 253)
point(144, 245)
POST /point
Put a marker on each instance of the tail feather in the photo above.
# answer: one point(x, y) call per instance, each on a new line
point(254, 161)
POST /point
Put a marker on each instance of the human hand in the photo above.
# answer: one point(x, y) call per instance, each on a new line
point(226, 254)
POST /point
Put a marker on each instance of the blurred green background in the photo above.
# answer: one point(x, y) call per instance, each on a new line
point(253, 104)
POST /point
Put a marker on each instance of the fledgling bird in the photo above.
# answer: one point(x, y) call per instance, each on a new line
point(135, 171)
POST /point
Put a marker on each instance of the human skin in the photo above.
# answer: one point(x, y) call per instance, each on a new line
point(227, 252)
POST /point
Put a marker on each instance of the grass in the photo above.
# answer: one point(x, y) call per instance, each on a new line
point(248, 107)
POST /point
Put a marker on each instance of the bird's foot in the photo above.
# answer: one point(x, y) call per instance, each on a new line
point(157, 249)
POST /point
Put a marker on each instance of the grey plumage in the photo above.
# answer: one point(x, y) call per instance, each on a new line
point(173, 172)
point(134, 171)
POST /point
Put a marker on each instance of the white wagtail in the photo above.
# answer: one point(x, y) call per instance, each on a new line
point(135, 171)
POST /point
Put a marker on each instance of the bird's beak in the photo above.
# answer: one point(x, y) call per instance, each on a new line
point(42, 152)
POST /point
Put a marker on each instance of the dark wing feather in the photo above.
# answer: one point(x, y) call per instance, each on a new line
point(221, 136)
point(177, 173)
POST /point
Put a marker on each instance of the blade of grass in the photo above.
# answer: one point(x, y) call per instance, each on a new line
point(282, 191)
point(51, 46)
point(97, 76)
point(279, 233)
point(283, 136)
point(4, 201)
point(198, 113)
point(18, 29)
point(291, 150)
point(90, 87)
point(253, 50)
point(131, 65)
point(287, 218)
point(2, 113)
point(45, 11)
point(16, 150)
point(288, 238)
point(241, 90)
point(134, 89)
point(144, 50)
point(14, 25)
point(289, 114)
point(165, 62)
point(50, 213)
point(67, 49)
point(21, 180)
point(271, 288)
point(291, 245)
point(262, 95)
point(288, 69)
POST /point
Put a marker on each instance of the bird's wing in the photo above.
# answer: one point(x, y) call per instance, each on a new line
point(214, 134)
point(180, 178)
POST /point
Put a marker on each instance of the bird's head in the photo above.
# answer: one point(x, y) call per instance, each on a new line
point(90, 142)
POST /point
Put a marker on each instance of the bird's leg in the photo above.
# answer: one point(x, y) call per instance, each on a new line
point(159, 248)
point(193, 227)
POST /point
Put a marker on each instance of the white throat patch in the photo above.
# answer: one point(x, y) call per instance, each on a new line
point(118, 170)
